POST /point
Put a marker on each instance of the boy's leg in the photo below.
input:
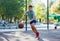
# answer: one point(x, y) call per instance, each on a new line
point(35, 30)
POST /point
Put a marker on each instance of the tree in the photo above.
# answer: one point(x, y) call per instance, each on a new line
point(56, 7)
point(12, 8)
point(40, 10)
point(51, 2)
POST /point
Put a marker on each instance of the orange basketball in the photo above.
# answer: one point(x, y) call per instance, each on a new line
point(21, 25)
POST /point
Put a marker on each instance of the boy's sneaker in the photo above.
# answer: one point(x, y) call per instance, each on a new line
point(37, 35)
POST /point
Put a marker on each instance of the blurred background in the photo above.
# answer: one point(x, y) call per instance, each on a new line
point(46, 11)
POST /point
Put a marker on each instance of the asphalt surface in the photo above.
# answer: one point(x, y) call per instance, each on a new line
point(45, 35)
point(48, 35)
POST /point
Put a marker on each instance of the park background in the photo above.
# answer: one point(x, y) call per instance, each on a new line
point(46, 11)
point(12, 10)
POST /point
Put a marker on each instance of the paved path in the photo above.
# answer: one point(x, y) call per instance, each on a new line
point(16, 36)
point(48, 35)
point(45, 35)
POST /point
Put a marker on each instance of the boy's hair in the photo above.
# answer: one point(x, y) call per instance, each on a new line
point(30, 6)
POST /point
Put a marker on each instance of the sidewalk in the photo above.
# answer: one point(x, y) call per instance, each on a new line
point(16, 36)
point(45, 35)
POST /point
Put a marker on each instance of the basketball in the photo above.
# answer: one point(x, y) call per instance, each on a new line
point(21, 25)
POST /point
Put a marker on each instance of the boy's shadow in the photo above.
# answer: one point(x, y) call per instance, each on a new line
point(31, 33)
point(40, 39)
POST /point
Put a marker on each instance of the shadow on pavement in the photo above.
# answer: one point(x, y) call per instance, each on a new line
point(1, 39)
point(6, 37)
point(32, 34)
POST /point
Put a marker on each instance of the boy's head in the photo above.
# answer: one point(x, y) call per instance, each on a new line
point(30, 7)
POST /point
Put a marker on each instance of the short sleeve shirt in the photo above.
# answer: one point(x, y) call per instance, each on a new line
point(31, 14)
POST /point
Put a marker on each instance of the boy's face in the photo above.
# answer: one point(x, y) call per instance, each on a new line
point(30, 8)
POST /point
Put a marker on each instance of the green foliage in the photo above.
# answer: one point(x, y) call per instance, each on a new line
point(11, 8)
point(51, 3)
point(55, 8)
point(40, 10)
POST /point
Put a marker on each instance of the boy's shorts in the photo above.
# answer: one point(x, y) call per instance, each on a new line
point(33, 21)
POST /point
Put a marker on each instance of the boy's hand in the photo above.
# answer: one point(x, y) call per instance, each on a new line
point(28, 21)
point(22, 17)
point(20, 20)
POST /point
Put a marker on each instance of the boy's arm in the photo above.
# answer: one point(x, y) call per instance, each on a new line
point(22, 17)
point(32, 18)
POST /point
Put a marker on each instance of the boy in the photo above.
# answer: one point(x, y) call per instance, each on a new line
point(32, 20)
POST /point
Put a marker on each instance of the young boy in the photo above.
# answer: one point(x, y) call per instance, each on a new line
point(32, 20)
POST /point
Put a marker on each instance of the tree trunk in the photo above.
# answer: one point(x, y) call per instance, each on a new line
point(10, 20)
point(14, 19)
point(2, 17)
